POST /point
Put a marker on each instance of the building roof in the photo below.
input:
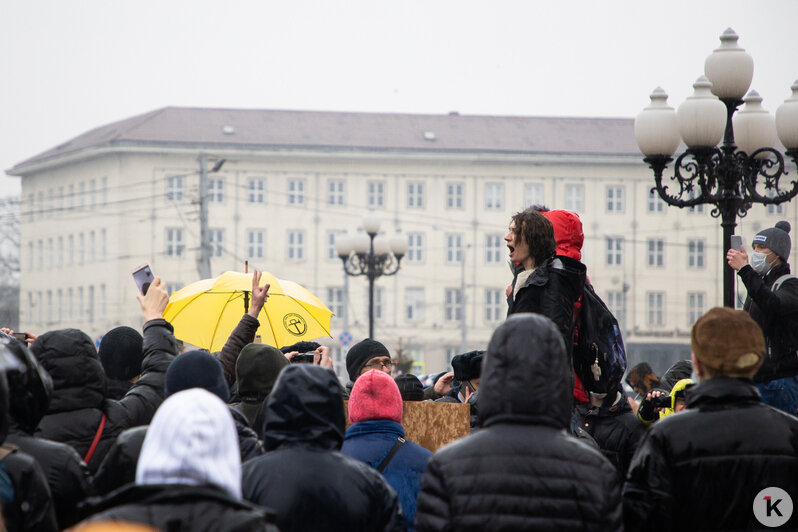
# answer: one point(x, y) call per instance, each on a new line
point(258, 128)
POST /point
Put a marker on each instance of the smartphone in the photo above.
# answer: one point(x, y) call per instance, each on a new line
point(22, 337)
point(143, 277)
point(736, 242)
point(303, 358)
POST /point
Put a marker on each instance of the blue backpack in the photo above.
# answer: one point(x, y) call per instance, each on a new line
point(599, 354)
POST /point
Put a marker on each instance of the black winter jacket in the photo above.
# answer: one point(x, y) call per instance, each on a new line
point(181, 508)
point(303, 476)
point(521, 471)
point(32, 509)
point(777, 315)
point(702, 468)
point(78, 401)
point(552, 290)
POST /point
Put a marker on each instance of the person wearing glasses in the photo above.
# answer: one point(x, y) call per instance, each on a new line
point(366, 355)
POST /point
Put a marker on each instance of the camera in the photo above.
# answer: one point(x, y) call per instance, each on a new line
point(303, 358)
point(663, 401)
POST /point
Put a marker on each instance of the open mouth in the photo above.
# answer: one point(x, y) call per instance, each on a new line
point(511, 248)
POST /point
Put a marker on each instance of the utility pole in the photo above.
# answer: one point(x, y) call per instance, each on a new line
point(204, 257)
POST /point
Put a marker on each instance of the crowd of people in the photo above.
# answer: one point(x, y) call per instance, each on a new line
point(141, 434)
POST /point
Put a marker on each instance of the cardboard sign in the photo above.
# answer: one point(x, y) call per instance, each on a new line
point(433, 425)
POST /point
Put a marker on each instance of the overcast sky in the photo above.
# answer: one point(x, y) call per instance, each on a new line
point(69, 66)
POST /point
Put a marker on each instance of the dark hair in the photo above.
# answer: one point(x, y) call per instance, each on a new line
point(537, 232)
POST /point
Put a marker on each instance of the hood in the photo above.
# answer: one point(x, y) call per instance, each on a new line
point(680, 370)
point(526, 376)
point(30, 386)
point(69, 356)
point(305, 406)
point(567, 233)
point(192, 440)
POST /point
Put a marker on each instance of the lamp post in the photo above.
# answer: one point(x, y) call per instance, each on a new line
point(371, 255)
point(732, 177)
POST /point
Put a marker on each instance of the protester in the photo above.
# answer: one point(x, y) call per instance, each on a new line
point(642, 379)
point(377, 438)
point(120, 352)
point(410, 387)
point(189, 472)
point(25, 495)
point(467, 370)
point(79, 413)
point(303, 476)
point(772, 302)
point(703, 468)
point(521, 471)
point(363, 356)
point(67, 476)
point(547, 284)
point(257, 369)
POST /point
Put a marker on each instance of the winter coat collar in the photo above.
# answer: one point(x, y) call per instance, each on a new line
point(375, 426)
point(722, 391)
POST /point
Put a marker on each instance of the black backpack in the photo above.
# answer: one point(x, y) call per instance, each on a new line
point(599, 354)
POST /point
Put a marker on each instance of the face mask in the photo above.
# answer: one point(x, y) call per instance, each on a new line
point(759, 262)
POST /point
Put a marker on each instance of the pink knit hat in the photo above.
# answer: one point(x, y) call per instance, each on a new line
point(375, 395)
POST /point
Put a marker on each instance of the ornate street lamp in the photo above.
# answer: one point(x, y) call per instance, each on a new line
point(371, 255)
point(731, 177)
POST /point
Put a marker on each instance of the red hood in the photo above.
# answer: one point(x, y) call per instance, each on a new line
point(567, 232)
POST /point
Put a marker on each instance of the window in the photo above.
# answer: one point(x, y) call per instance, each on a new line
point(375, 193)
point(90, 303)
point(174, 242)
point(174, 188)
point(454, 195)
point(615, 302)
point(79, 305)
point(695, 307)
point(50, 253)
point(533, 194)
point(453, 304)
point(451, 352)
point(656, 305)
point(656, 252)
point(255, 190)
point(774, 209)
point(415, 247)
point(50, 201)
point(494, 304)
point(104, 190)
point(296, 191)
point(215, 190)
point(40, 204)
point(71, 250)
point(60, 259)
point(575, 198)
point(216, 240)
point(81, 195)
point(30, 255)
point(49, 306)
point(81, 248)
point(103, 240)
point(92, 193)
point(615, 199)
point(493, 249)
point(415, 194)
point(655, 203)
point(695, 253)
point(296, 244)
point(454, 247)
point(71, 197)
point(332, 254)
point(335, 192)
point(70, 304)
point(256, 238)
point(414, 303)
point(60, 199)
point(614, 251)
point(40, 258)
point(101, 304)
point(92, 247)
point(379, 293)
point(697, 209)
point(31, 207)
point(494, 196)
point(59, 305)
point(39, 306)
point(336, 301)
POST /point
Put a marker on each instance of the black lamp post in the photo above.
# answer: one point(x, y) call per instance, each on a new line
point(739, 172)
point(371, 255)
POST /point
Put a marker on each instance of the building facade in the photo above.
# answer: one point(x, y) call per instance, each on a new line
point(127, 193)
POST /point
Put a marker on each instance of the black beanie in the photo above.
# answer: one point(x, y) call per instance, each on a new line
point(362, 352)
point(121, 353)
point(257, 369)
point(410, 387)
point(468, 365)
point(196, 369)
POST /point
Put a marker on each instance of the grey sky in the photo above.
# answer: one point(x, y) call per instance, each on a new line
point(69, 66)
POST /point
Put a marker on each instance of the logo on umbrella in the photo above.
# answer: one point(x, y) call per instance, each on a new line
point(295, 324)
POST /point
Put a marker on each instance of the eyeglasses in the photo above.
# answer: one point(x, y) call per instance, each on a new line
point(377, 364)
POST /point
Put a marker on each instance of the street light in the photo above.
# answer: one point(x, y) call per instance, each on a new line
point(728, 176)
point(371, 255)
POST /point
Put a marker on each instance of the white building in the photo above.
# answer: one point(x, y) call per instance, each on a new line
point(127, 193)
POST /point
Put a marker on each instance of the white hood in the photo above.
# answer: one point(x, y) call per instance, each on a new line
point(192, 440)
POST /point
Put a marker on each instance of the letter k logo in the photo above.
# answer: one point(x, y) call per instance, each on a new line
point(772, 507)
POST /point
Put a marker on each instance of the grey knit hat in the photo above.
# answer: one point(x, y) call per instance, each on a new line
point(777, 239)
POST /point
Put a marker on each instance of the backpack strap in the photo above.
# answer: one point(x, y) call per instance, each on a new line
point(391, 453)
point(781, 280)
point(96, 440)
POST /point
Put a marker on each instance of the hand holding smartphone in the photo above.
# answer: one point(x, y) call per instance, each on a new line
point(143, 277)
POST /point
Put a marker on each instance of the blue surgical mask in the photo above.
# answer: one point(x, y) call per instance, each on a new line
point(759, 262)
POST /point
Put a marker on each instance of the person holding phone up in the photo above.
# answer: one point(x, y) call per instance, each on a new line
point(772, 302)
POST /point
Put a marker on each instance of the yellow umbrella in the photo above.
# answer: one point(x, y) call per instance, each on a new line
point(204, 313)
